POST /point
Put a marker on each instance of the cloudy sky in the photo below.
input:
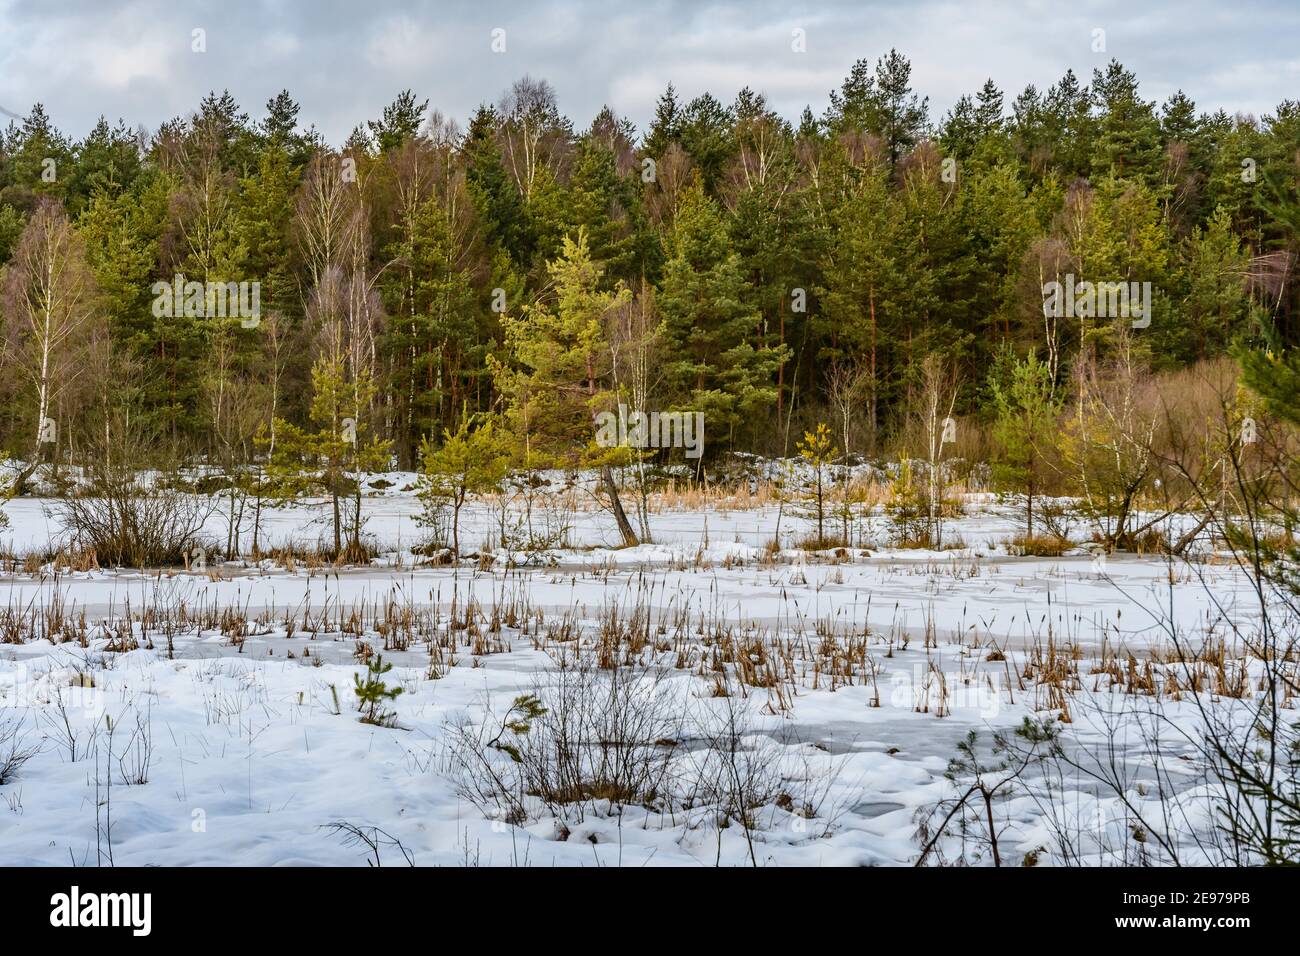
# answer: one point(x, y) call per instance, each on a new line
point(343, 60)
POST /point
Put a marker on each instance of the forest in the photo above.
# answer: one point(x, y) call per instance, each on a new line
point(423, 280)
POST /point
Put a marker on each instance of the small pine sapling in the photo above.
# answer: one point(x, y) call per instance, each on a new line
point(817, 450)
point(469, 462)
point(372, 693)
point(519, 720)
point(1028, 410)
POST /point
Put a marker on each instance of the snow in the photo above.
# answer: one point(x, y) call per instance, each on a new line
point(252, 760)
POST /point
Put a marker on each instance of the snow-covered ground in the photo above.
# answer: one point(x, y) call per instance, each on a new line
point(872, 665)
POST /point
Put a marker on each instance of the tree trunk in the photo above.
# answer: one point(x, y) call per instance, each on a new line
point(1029, 516)
point(455, 528)
point(872, 437)
point(20, 483)
point(257, 522)
point(821, 509)
point(230, 524)
point(1190, 536)
point(338, 543)
point(780, 369)
point(616, 505)
point(356, 523)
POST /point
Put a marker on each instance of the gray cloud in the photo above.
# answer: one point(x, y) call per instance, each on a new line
point(345, 59)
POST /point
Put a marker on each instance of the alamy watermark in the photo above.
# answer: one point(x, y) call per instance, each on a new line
point(196, 300)
point(636, 429)
point(66, 688)
point(1100, 300)
point(130, 910)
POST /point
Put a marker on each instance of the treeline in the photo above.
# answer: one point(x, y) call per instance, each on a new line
point(768, 273)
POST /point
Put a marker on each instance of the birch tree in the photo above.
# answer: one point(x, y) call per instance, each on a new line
point(50, 313)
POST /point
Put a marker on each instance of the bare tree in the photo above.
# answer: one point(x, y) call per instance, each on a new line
point(936, 400)
point(202, 206)
point(635, 339)
point(846, 384)
point(1109, 442)
point(325, 215)
point(50, 308)
point(278, 339)
point(534, 135)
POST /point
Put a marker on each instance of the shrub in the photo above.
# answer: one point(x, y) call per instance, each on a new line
point(13, 751)
point(126, 521)
point(590, 737)
point(915, 521)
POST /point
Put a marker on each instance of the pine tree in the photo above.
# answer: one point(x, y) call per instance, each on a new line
point(555, 358)
point(665, 127)
point(1027, 409)
point(40, 162)
point(340, 443)
point(724, 368)
point(865, 288)
point(960, 130)
point(400, 122)
point(555, 379)
point(817, 451)
point(472, 460)
point(605, 204)
point(855, 105)
point(280, 130)
point(1215, 309)
point(108, 162)
point(705, 134)
point(499, 204)
point(1069, 127)
point(903, 115)
point(1128, 134)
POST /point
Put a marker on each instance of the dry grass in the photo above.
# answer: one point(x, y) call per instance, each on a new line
point(1038, 545)
point(728, 654)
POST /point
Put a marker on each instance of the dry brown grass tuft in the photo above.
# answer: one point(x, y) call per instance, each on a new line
point(1039, 545)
